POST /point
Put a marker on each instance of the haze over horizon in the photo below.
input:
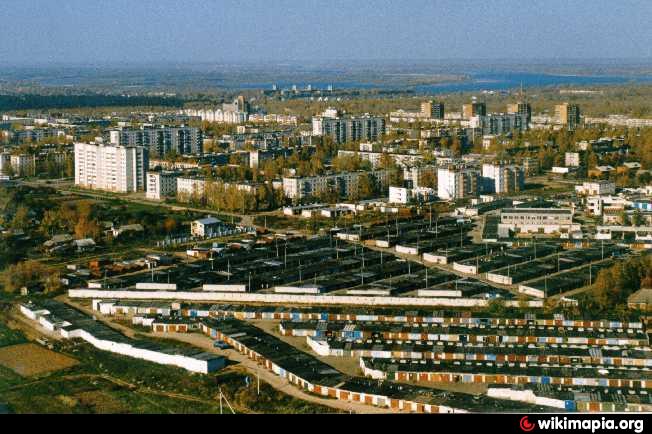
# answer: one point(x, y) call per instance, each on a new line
point(205, 31)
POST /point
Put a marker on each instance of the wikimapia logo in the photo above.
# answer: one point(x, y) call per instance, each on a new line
point(566, 424)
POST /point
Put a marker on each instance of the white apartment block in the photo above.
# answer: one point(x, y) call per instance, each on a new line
point(502, 179)
point(345, 183)
point(572, 159)
point(456, 183)
point(597, 188)
point(401, 160)
point(190, 187)
point(161, 185)
point(400, 195)
point(219, 115)
point(112, 168)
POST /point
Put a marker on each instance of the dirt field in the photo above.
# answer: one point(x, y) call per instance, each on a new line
point(31, 359)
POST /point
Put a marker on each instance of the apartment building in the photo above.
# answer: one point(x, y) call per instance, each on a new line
point(345, 183)
point(432, 110)
point(109, 167)
point(568, 115)
point(474, 109)
point(404, 159)
point(161, 185)
point(572, 159)
point(502, 179)
point(23, 164)
point(188, 187)
point(343, 128)
point(521, 108)
point(161, 141)
point(457, 182)
point(499, 123)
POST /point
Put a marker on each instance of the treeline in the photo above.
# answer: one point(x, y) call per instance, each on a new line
point(608, 295)
point(32, 102)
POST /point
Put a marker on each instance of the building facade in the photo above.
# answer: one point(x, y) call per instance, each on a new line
point(455, 183)
point(343, 129)
point(502, 179)
point(161, 141)
point(345, 184)
point(112, 168)
point(161, 185)
point(568, 115)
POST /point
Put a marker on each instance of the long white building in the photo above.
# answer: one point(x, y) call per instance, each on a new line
point(108, 167)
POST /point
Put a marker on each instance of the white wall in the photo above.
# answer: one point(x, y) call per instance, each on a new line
point(285, 298)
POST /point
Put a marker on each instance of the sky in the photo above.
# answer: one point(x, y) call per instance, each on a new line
point(148, 31)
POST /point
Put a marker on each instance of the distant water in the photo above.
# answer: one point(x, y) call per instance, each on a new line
point(476, 82)
point(512, 80)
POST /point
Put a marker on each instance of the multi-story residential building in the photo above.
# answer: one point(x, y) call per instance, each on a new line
point(502, 179)
point(5, 164)
point(474, 109)
point(456, 182)
point(417, 175)
point(568, 114)
point(235, 113)
point(161, 141)
point(596, 188)
point(537, 220)
point(530, 165)
point(432, 110)
point(345, 184)
point(342, 128)
point(572, 159)
point(218, 115)
point(23, 164)
point(499, 123)
point(400, 159)
point(109, 167)
point(521, 108)
point(190, 187)
point(161, 185)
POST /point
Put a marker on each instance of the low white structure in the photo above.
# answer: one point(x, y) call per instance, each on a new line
point(206, 227)
point(596, 188)
point(107, 340)
point(279, 298)
point(537, 221)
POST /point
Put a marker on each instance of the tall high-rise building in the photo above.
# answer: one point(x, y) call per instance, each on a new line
point(568, 114)
point(520, 108)
point(432, 110)
point(342, 128)
point(456, 182)
point(110, 167)
point(161, 141)
point(474, 109)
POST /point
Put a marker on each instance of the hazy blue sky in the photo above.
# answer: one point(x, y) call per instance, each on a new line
point(79, 31)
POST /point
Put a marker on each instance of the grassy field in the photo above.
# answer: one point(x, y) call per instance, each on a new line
point(30, 359)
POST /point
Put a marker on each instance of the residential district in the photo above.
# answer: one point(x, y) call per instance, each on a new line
point(428, 259)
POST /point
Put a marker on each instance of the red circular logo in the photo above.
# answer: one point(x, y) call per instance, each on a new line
point(526, 425)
